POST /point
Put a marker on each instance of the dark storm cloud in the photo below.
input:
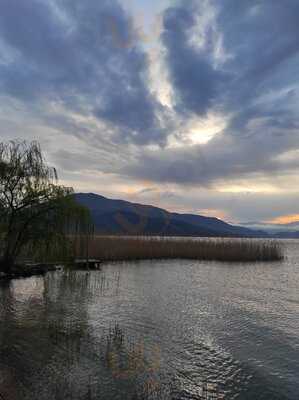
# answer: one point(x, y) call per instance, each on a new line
point(258, 37)
point(255, 84)
point(80, 54)
point(262, 38)
point(254, 151)
point(195, 79)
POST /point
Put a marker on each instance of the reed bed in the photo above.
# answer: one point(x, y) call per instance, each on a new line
point(153, 248)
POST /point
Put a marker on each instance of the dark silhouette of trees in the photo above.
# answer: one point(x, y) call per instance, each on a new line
point(35, 211)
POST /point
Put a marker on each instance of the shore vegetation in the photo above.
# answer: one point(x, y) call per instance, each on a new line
point(36, 213)
point(211, 249)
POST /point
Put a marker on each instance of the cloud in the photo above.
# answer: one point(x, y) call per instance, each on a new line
point(234, 206)
point(74, 75)
point(79, 54)
point(254, 59)
point(196, 81)
point(254, 82)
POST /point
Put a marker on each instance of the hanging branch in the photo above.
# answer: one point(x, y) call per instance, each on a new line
point(36, 212)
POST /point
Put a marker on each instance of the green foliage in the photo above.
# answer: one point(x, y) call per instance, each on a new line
point(37, 215)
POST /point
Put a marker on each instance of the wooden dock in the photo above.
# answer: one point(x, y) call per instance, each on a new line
point(88, 263)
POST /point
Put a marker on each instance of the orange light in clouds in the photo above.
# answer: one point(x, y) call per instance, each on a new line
point(285, 219)
point(209, 212)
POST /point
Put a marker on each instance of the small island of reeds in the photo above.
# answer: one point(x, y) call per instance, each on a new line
point(215, 249)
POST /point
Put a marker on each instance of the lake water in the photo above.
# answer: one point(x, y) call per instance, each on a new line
point(154, 330)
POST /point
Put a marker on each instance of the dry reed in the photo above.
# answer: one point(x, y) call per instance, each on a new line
point(142, 248)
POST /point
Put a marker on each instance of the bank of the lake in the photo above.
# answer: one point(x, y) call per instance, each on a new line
point(96, 249)
point(24, 270)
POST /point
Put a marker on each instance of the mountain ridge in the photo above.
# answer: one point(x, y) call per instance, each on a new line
point(121, 217)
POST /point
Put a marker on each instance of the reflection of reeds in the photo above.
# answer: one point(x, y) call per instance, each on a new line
point(115, 336)
point(140, 248)
point(124, 358)
point(66, 336)
point(151, 390)
point(127, 361)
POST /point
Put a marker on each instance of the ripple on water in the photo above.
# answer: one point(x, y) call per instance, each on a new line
point(179, 329)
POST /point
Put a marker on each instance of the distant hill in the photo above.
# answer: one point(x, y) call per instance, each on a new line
point(289, 230)
point(287, 235)
point(119, 217)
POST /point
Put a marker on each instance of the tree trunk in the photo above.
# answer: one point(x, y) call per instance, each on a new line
point(7, 261)
point(6, 264)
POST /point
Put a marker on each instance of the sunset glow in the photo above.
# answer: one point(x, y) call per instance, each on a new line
point(285, 219)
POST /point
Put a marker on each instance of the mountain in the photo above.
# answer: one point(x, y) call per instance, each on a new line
point(120, 217)
point(289, 230)
point(287, 234)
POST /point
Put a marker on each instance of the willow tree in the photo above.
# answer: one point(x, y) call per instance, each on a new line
point(35, 211)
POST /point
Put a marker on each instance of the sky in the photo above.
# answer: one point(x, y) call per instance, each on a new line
point(188, 105)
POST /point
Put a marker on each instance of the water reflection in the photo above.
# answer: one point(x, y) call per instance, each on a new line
point(152, 330)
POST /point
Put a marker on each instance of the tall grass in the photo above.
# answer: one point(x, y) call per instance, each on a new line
point(141, 248)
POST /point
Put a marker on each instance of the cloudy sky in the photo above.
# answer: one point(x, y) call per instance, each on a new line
point(188, 105)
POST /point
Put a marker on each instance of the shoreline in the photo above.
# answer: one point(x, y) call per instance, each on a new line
point(110, 249)
point(27, 271)
point(40, 269)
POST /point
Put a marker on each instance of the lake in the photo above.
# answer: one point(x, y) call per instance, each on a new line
point(154, 330)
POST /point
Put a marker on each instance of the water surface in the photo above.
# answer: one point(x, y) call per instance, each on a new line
point(154, 329)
